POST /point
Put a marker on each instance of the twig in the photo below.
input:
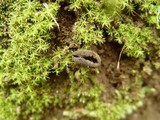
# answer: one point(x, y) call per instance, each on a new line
point(46, 6)
point(158, 14)
point(119, 58)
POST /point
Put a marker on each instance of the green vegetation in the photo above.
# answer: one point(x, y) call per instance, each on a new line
point(26, 58)
point(136, 40)
point(24, 64)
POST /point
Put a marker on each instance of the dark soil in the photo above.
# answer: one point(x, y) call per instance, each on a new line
point(66, 20)
point(111, 77)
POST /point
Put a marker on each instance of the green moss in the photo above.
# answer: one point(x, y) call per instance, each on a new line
point(87, 34)
point(25, 67)
point(26, 90)
point(122, 105)
point(136, 40)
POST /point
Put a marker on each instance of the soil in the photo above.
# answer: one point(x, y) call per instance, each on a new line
point(149, 111)
point(111, 77)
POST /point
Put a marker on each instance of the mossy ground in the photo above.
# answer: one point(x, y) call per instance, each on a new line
point(39, 81)
point(129, 79)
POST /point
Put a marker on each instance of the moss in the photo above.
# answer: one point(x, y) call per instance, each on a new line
point(24, 66)
point(26, 88)
point(136, 40)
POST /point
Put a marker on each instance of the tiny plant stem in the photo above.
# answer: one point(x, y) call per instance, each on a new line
point(158, 14)
point(46, 6)
point(119, 58)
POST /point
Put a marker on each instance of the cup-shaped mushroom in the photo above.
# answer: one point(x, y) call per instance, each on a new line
point(87, 58)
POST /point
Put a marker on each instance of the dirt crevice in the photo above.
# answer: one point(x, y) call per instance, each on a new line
point(66, 20)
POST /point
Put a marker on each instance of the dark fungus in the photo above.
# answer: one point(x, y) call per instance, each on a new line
point(87, 58)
